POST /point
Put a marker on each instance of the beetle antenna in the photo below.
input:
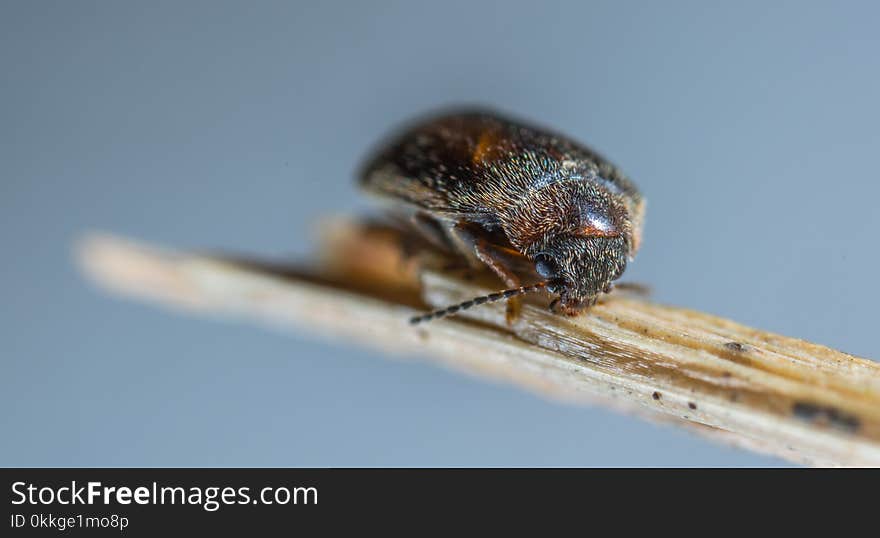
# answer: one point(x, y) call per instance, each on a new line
point(491, 298)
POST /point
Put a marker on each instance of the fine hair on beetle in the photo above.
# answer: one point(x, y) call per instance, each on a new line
point(520, 200)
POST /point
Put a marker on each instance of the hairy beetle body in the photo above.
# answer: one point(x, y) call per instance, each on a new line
point(497, 188)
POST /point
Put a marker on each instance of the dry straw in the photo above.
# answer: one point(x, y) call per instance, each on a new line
point(777, 395)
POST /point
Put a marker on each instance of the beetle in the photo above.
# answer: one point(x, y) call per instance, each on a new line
point(503, 193)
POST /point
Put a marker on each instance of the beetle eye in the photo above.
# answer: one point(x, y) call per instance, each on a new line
point(545, 266)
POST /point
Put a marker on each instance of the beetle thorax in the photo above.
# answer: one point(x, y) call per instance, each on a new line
point(581, 209)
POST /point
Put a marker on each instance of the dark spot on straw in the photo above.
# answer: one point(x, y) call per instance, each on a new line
point(735, 346)
point(826, 415)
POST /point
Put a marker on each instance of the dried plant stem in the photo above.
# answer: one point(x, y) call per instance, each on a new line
point(777, 395)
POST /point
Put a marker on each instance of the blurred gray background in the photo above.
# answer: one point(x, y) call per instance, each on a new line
point(752, 127)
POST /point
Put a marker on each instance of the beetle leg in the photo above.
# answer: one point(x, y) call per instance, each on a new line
point(463, 239)
point(437, 235)
point(496, 264)
point(633, 288)
point(480, 250)
point(431, 230)
point(514, 304)
point(420, 231)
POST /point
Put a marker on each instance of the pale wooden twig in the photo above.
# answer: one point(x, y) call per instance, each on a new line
point(777, 395)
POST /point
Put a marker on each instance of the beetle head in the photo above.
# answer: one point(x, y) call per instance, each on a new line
point(579, 268)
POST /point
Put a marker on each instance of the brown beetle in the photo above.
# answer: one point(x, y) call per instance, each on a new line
point(501, 192)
